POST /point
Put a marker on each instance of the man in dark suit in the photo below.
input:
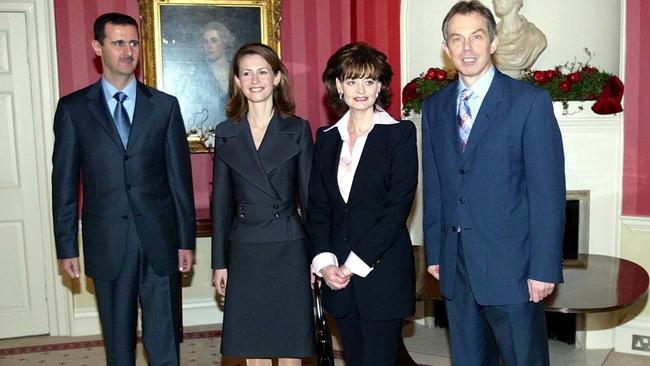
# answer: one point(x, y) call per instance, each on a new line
point(494, 197)
point(126, 144)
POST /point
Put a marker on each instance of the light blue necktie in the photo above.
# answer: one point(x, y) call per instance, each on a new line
point(121, 118)
point(464, 117)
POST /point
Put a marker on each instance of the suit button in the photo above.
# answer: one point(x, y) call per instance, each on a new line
point(242, 215)
point(125, 217)
point(276, 207)
point(128, 187)
point(463, 171)
point(347, 238)
point(277, 215)
point(347, 210)
point(461, 200)
point(127, 157)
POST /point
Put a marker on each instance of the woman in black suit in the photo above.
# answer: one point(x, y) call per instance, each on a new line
point(260, 255)
point(362, 186)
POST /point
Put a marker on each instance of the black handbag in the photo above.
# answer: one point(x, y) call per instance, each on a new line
point(324, 348)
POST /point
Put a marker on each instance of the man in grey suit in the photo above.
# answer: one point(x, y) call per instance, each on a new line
point(125, 143)
point(494, 198)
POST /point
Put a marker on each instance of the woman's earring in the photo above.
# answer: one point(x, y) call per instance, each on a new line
point(340, 95)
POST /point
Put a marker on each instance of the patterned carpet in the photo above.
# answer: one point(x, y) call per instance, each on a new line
point(427, 346)
point(198, 348)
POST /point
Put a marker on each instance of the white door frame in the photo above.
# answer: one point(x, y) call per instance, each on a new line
point(41, 38)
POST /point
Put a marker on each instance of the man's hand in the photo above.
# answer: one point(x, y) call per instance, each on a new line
point(434, 270)
point(70, 266)
point(334, 277)
point(185, 260)
point(220, 280)
point(538, 290)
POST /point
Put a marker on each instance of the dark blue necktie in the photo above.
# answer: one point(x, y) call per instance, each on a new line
point(121, 118)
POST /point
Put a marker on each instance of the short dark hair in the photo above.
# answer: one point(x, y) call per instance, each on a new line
point(467, 7)
point(357, 60)
point(282, 102)
point(111, 18)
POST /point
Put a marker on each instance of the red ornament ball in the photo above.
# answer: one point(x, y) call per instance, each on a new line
point(565, 86)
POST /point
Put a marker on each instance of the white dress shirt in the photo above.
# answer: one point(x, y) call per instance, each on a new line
point(479, 89)
point(348, 163)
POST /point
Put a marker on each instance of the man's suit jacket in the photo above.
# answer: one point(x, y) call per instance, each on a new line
point(373, 221)
point(149, 183)
point(506, 191)
point(254, 191)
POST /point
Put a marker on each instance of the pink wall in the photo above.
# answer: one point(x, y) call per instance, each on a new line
point(636, 168)
point(312, 30)
point(378, 24)
point(74, 34)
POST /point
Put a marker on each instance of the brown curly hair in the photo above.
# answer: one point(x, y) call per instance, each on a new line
point(353, 61)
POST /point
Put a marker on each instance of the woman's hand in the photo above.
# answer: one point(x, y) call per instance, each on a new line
point(334, 277)
point(220, 280)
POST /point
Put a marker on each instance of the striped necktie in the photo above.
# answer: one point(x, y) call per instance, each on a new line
point(464, 117)
point(121, 118)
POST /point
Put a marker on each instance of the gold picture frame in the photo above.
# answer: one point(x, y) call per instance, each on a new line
point(177, 59)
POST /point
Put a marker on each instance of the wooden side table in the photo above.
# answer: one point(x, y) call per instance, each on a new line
point(592, 283)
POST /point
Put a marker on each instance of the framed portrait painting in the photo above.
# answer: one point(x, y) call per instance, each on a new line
point(188, 46)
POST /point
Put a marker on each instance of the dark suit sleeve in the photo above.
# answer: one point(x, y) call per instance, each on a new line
point(319, 218)
point(398, 200)
point(305, 159)
point(179, 174)
point(431, 196)
point(65, 184)
point(544, 162)
point(221, 209)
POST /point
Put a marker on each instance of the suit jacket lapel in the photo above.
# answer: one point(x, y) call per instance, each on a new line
point(370, 157)
point(330, 154)
point(239, 153)
point(99, 109)
point(449, 114)
point(278, 145)
point(486, 115)
point(143, 109)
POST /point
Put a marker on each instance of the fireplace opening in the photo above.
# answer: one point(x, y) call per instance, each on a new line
point(560, 326)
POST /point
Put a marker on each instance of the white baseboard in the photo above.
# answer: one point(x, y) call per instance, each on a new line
point(85, 321)
point(639, 326)
point(201, 312)
point(636, 223)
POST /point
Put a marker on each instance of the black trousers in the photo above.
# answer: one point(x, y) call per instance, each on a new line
point(118, 300)
point(479, 333)
point(366, 342)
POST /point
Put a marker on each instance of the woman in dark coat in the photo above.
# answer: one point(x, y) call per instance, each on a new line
point(260, 254)
point(361, 190)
